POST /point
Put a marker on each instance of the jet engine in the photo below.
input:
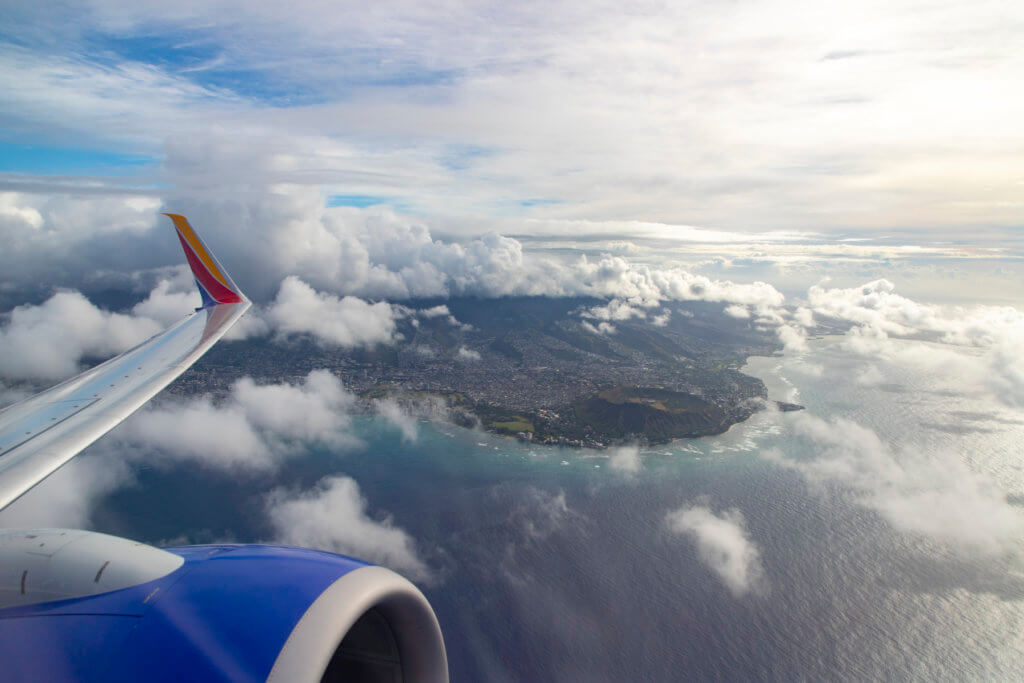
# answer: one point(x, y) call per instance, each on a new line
point(79, 605)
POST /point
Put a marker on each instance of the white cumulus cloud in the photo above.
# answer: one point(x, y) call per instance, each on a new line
point(50, 340)
point(616, 309)
point(333, 516)
point(793, 338)
point(601, 328)
point(252, 429)
point(737, 311)
point(723, 544)
point(347, 322)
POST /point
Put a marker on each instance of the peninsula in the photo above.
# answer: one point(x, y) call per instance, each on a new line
point(536, 368)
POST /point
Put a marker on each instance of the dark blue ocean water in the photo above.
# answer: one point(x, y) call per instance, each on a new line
point(549, 566)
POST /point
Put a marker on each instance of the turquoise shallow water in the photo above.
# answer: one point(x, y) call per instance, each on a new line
point(549, 565)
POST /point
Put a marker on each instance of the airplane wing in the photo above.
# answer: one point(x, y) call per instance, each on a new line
point(43, 432)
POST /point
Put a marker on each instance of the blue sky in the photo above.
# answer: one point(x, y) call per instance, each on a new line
point(44, 160)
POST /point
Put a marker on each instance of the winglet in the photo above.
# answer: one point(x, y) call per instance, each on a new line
point(215, 285)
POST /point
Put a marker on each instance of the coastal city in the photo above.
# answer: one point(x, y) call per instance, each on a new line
point(529, 367)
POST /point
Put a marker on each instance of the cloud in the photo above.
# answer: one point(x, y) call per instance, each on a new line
point(424, 351)
point(65, 498)
point(252, 430)
point(391, 411)
point(270, 231)
point(879, 313)
point(345, 322)
point(538, 513)
point(467, 355)
point(72, 238)
point(215, 436)
point(252, 324)
point(435, 311)
point(625, 459)
point(314, 411)
point(621, 248)
point(601, 328)
point(333, 516)
point(11, 211)
point(176, 295)
point(440, 312)
point(931, 494)
point(523, 95)
point(662, 319)
point(793, 338)
point(723, 544)
point(1006, 376)
point(804, 317)
point(736, 311)
point(875, 305)
point(641, 285)
point(171, 299)
point(616, 309)
point(49, 341)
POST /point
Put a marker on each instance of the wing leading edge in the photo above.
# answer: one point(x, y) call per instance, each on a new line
point(43, 432)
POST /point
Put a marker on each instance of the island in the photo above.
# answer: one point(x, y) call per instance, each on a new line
point(535, 368)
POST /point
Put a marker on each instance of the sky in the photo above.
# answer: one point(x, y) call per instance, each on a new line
point(768, 140)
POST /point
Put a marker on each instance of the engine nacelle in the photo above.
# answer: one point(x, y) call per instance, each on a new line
point(87, 606)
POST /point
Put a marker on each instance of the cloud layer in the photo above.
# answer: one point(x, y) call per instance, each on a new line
point(879, 313)
point(932, 494)
point(771, 122)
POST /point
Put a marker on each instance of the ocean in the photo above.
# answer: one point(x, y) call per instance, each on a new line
point(874, 558)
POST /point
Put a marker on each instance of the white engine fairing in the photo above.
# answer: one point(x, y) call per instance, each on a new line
point(369, 625)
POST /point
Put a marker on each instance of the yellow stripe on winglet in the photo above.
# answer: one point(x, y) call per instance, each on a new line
point(181, 223)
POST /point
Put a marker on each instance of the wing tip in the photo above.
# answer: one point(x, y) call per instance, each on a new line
point(215, 285)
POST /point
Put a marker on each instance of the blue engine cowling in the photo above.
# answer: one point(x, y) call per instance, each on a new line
point(86, 606)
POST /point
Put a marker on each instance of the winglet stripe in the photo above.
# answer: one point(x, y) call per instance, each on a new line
point(217, 291)
point(211, 279)
point(184, 229)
